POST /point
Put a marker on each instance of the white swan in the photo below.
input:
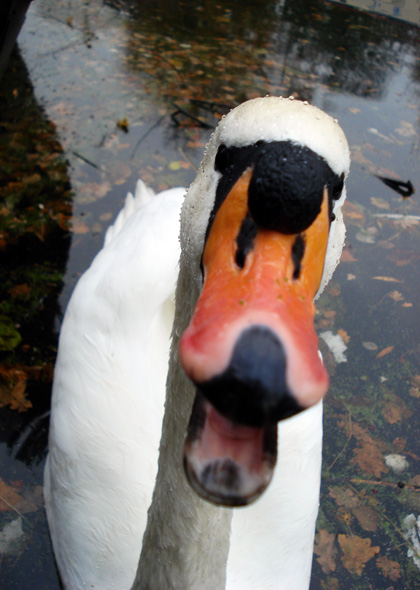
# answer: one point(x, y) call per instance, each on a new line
point(109, 380)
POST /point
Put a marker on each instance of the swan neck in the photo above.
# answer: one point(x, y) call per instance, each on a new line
point(186, 539)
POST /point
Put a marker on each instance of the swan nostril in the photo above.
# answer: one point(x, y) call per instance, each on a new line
point(298, 250)
point(245, 240)
point(253, 390)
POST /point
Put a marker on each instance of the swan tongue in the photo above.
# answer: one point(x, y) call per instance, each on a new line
point(227, 463)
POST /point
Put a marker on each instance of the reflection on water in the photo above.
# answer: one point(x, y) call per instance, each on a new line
point(110, 75)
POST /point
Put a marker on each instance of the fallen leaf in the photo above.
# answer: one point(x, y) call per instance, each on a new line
point(344, 335)
point(414, 392)
point(396, 296)
point(390, 569)
point(370, 345)
point(367, 517)
point(79, 227)
point(347, 256)
point(387, 279)
point(8, 497)
point(344, 497)
point(384, 352)
point(395, 409)
point(13, 389)
point(326, 550)
point(356, 552)
point(20, 291)
point(369, 458)
point(353, 212)
point(380, 203)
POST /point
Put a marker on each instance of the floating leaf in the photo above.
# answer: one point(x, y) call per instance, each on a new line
point(370, 345)
point(380, 203)
point(390, 569)
point(13, 389)
point(326, 550)
point(9, 498)
point(396, 296)
point(344, 335)
point(22, 290)
point(369, 458)
point(384, 352)
point(356, 552)
point(367, 517)
point(344, 497)
point(347, 256)
point(394, 409)
point(387, 279)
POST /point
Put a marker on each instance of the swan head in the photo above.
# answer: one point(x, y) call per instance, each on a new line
point(261, 234)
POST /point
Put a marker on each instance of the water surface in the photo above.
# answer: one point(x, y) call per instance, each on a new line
point(128, 90)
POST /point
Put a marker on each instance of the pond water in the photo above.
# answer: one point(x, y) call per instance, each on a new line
point(106, 91)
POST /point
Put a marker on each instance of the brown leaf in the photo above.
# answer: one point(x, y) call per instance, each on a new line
point(347, 256)
point(356, 552)
point(344, 497)
point(369, 458)
point(390, 569)
point(380, 203)
point(79, 227)
point(367, 517)
point(384, 352)
point(8, 497)
point(353, 212)
point(395, 409)
point(13, 389)
point(326, 550)
point(344, 335)
point(20, 291)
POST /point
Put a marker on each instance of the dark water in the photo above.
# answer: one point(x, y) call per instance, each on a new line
point(104, 80)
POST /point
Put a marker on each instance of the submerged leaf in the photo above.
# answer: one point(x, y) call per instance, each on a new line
point(390, 569)
point(326, 550)
point(356, 552)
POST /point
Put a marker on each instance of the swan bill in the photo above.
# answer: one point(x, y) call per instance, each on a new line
point(226, 463)
point(272, 293)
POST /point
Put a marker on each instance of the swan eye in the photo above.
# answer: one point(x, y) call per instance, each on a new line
point(222, 160)
point(337, 187)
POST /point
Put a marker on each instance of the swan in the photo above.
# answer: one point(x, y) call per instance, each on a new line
point(261, 232)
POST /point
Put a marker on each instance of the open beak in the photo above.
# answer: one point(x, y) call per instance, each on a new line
point(251, 347)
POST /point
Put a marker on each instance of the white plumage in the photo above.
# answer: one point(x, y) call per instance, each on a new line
point(109, 393)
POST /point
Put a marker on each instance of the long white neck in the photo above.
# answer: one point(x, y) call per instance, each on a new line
point(186, 541)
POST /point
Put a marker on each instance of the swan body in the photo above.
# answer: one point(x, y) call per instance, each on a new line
point(102, 471)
